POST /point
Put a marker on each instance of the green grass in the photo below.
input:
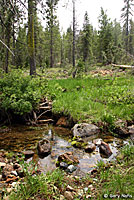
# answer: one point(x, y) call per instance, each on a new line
point(119, 178)
point(39, 186)
point(94, 99)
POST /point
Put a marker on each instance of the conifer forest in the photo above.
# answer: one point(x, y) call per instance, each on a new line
point(66, 101)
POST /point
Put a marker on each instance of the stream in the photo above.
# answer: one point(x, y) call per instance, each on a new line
point(20, 138)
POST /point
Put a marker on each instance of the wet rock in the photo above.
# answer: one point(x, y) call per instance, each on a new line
point(78, 142)
point(28, 154)
point(71, 168)
point(90, 148)
point(63, 165)
point(68, 195)
point(105, 149)
point(44, 147)
point(85, 130)
point(97, 142)
point(68, 158)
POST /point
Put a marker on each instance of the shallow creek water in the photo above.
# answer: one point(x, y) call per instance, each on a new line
point(21, 138)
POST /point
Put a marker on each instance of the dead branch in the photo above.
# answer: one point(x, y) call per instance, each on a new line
point(123, 66)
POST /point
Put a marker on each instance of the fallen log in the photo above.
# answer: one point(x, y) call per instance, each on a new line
point(123, 66)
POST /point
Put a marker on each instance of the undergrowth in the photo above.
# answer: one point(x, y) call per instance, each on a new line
point(20, 93)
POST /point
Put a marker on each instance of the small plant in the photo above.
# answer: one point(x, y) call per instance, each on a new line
point(128, 151)
point(101, 164)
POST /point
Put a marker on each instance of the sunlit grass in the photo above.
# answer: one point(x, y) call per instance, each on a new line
point(91, 98)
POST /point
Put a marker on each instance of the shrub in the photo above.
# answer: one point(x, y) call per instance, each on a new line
point(20, 93)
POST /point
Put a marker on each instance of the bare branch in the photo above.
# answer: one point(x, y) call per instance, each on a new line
point(7, 47)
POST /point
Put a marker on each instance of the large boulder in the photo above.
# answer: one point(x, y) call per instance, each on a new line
point(85, 130)
point(44, 147)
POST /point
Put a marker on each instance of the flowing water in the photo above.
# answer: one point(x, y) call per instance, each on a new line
point(21, 138)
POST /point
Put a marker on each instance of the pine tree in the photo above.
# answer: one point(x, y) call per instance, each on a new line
point(51, 22)
point(131, 38)
point(105, 40)
point(31, 42)
point(127, 12)
point(87, 36)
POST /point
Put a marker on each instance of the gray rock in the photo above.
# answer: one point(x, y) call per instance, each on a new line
point(90, 148)
point(97, 142)
point(85, 130)
point(44, 147)
point(63, 165)
point(71, 168)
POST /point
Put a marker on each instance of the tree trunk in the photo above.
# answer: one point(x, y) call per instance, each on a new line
point(31, 47)
point(51, 47)
point(73, 33)
point(7, 39)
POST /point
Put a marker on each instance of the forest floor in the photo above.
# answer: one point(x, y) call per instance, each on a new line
point(102, 95)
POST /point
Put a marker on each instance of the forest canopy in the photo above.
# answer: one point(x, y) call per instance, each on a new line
point(25, 43)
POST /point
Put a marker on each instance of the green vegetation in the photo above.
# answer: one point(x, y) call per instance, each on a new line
point(36, 186)
point(117, 179)
point(88, 99)
point(19, 93)
point(94, 99)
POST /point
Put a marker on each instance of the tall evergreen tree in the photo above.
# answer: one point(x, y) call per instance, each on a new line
point(105, 40)
point(31, 42)
point(127, 12)
point(131, 38)
point(87, 36)
point(51, 22)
